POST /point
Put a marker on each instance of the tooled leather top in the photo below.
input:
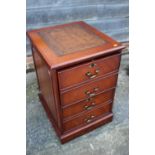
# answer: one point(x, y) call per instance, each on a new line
point(70, 38)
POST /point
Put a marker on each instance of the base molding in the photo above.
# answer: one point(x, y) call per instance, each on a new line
point(67, 136)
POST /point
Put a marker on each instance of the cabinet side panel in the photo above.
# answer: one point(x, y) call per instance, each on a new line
point(45, 83)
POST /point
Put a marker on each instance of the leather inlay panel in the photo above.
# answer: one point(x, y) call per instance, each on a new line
point(70, 39)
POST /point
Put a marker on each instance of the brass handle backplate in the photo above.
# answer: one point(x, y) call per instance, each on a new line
point(92, 76)
point(90, 119)
point(89, 107)
point(91, 94)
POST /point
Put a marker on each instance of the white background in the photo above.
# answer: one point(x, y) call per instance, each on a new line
point(13, 77)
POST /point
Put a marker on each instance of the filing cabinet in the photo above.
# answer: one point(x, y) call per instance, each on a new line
point(77, 68)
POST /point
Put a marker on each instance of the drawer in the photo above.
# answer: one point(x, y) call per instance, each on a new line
point(88, 104)
point(87, 117)
point(88, 71)
point(88, 90)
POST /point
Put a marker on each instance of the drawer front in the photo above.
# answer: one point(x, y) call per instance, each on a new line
point(88, 104)
point(87, 117)
point(88, 71)
point(89, 90)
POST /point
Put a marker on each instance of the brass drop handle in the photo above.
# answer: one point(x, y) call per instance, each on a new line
point(91, 76)
point(87, 92)
point(88, 120)
point(89, 107)
point(91, 94)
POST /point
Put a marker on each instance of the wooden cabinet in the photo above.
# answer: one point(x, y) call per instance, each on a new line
point(77, 68)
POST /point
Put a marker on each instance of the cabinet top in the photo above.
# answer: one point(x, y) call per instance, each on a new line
point(70, 43)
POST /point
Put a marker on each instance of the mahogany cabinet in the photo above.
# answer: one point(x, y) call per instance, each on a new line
point(77, 68)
